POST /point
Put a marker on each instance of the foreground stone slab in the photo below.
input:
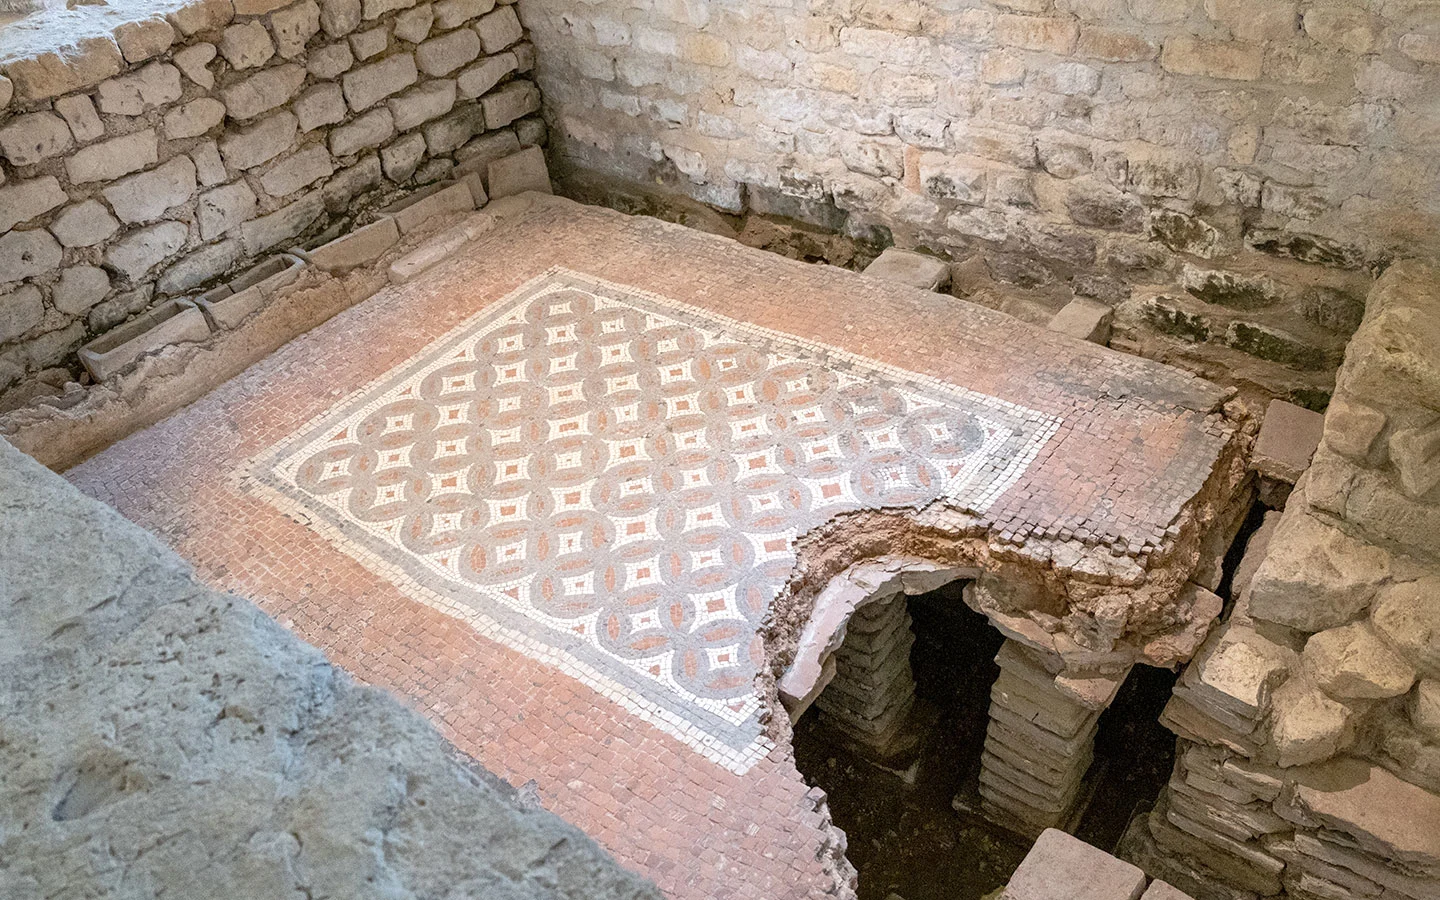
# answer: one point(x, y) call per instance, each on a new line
point(282, 775)
point(908, 267)
point(1061, 867)
point(1084, 319)
point(1288, 438)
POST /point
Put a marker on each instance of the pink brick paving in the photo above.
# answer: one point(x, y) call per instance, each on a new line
point(1132, 444)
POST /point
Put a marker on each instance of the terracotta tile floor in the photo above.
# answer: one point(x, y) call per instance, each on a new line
point(549, 505)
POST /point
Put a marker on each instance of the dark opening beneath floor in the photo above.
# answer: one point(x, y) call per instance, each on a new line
point(910, 827)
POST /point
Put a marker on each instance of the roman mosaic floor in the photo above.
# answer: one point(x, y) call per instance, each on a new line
point(547, 491)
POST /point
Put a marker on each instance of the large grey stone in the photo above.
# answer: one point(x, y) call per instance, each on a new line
point(506, 104)
point(323, 104)
point(294, 26)
point(281, 776)
point(194, 118)
point(1407, 615)
point(1315, 576)
point(24, 200)
point(519, 172)
point(485, 74)
point(368, 85)
point(223, 208)
point(1350, 662)
point(84, 224)
point(1288, 438)
point(420, 104)
point(246, 45)
point(197, 267)
point(28, 139)
point(261, 142)
point(370, 130)
point(499, 29)
point(1307, 726)
point(283, 224)
point(1061, 867)
point(145, 197)
point(78, 111)
point(446, 134)
point(151, 87)
point(137, 253)
point(20, 311)
point(79, 288)
point(27, 253)
point(263, 91)
point(444, 54)
point(113, 158)
point(297, 171)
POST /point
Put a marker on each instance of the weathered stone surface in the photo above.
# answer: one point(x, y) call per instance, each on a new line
point(138, 41)
point(1360, 801)
point(194, 63)
point(329, 61)
point(151, 87)
point(368, 85)
point(485, 74)
point(1306, 725)
point(1407, 616)
point(209, 168)
point(1061, 867)
point(1415, 453)
point(499, 30)
point(339, 17)
point(478, 154)
point(358, 247)
point(401, 158)
point(294, 26)
point(20, 311)
point(223, 208)
point(444, 54)
point(1315, 576)
point(144, 197)
point(113, 158)
point(446, 134)
point(194, 118)
point(202, 15)
point(79, 288)
point(413, 25)
point(136, 254)
point(323, 104)
point(519, 172)
point(370, 130)
point(1084, 319)
point(910, 268)
point(263, 91)
point(1238, 669)
point(1351, 428)
point(27, 253)
point(198, 267)
point(373, 42)
point(297, 171)
point(506, 104)
point(282, 225)
point(261, 142)
point(1425, 709)
point(22, 201)
point(374, 9)
point(28, 139)
point(338, 753)
point(83, 225)
point(87, 63)
point(1394, 358)
point(364, 175)
point(1188, 55)
point(419, 105)
point(439, 200)
point(454, 13)
point(246, 45)
point(1288, 437)
point(1350, 662)
point(78, 111)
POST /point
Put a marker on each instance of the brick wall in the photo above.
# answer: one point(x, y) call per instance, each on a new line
point(147, 161)
point(1227, 172)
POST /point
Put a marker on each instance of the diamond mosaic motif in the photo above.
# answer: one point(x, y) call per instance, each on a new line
point(613, 483)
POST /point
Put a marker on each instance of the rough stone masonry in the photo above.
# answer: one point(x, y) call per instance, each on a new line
point(1225, 172)
point(148, 159)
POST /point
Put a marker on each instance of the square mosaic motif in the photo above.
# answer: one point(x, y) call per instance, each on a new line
point(612, 482)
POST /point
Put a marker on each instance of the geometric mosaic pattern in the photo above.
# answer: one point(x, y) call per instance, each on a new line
point(613, 482)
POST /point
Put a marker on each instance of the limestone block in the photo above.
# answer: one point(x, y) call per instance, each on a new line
point(1045, 34)
point(339, 17)
point(370, 130)
point(79, 288)
point(1159, 890)
point(84, 224)
point(195, 268)
point(78, 111)
point(282, 225)
point(485, 74)
point(413, 25)
point(1288, 437)
point(257, 7)
point(1232, 60)
point(1407, 616)
point(260, 142)
point(444, 54)
point(263, 91)
point(1394, 359)
point(171, 323)
point(223, 208)
point(1425, 709)
point(297, 171)
point(22, 201)
point(1351, 428)
point(477, 155)
point(138, 41)
point(194, 118)
point(441, 247)
point(28, 139)
point(246, 45)
point(519, 172)
point(329, 61)
point(357, 248)
point(20, 311)
point(202, 15)
point(1098, 205)
point(366, 44)
point(499, 30)
point(7, 91)
point(364, 175)
point(27, 253)
point(1415, 453)
point(145, 197)
point(449, 132)
point(506, 104)
point(910, 268)
point(454, 13)
point(293, 27)
point(1350, 662)
point(374, 9)
point(155, 85)
point(87, 63)
point(1061, 867)
point(1360, 801)
point(1307, 726)
point(429, 100)
point(1085, 319)
point(1315, 576)
point(209, 169)
point(401, 158)
point(368, 85)
point(437, 201)
point(194, 62)
point(524, 56)
point(323, 104)
point(137, 253)
point(1238, 669)
point(1423, 48)
point(230, 304)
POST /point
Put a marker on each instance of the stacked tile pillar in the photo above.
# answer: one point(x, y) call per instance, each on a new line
point(873, 689)
point(1038, 747)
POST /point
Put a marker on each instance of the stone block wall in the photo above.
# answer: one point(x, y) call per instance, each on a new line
point(1226, 172)
point(1310, 722)
point(144, 160)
